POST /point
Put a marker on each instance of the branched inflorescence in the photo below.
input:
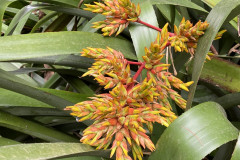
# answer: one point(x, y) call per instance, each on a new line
point(120, 12)
point(120, 115)
point(124, 116)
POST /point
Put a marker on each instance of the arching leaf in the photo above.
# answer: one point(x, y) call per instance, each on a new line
point(46, 151)
point(195, 134)
point(206, 41)
point(49, 44)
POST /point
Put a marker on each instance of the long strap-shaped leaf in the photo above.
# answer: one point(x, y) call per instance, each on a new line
point(47, 151)
point(34, 129)
point(6, 141)
point(49, 44)
point(73, 3)
point(147, 35)
point(229, 100)
point(215, 18)
point(3, 6)
point(27, 9)
point(221, 73)
point(9, 98)
point(236, 152)
point(63, 60)
point(184, 3)
point(32, 92)
point(195, 134)
point(48, 97)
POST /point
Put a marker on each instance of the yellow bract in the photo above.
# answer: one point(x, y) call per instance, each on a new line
point(121, 114)
point(118, 15)
point(187, 35)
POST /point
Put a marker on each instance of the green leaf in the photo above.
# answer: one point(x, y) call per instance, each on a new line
point(34, 111)
point(3, 5)
point(82, 158)
point(221, 73)
point(35, 93)
point(57, 120)
point(29, 8)
point(14, 66)
point(229, 100)
point(53, 81)
point(169, 12)
point(203, 94)
point(45, 19)
point(206, 41)
point(224, 152)
point(79, 85)
point(148, 35)
point(14, 78)
point(211, 3)
point(49, 44)
point(184, 3)
point(59, 23)
point(6, 141)
point(236, 152)
point(45, 151)
point(73, 3)
point(69, 96)
point(24, 12)
point(20, 25)
point(195, 134)
point(5, 27)
point(9, 98)
point(34, 129)
point(64, 60)
point(88, 27)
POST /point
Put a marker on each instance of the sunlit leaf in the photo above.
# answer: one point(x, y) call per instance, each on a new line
point(45, 151)
point(195, 134)
point(49, 44)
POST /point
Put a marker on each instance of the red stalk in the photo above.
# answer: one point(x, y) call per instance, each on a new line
point(130, 86)
point(153, 27)
point(135, 63)
point(139, 71)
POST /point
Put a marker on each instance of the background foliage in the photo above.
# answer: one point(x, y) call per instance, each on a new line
point(40, 71)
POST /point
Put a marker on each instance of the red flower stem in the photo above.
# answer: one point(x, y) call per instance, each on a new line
point(135, 63)
point(139, 71)
point(153, 27)
point(130, 86)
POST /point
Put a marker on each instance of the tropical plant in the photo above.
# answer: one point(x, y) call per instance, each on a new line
point(125, 100)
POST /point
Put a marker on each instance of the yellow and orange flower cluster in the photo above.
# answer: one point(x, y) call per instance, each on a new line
point(187, 35)
point(124, 116)
point(162, 79)
point(110, 67)
point(118, 15)
point(121, 114)
point(120, 12)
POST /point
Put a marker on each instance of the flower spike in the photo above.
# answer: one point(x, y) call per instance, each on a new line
point(121, 114)
point(187, 35)
point(118, 15)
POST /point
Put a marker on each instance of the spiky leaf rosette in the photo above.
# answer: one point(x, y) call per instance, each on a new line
point(187, 35)
point(118, 15)
point(120, 116)
point(109, 68)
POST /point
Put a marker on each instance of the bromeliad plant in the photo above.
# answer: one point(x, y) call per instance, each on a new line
point(122, 114)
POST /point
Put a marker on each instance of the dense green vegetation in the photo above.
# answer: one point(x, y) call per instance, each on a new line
point(41, 68)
